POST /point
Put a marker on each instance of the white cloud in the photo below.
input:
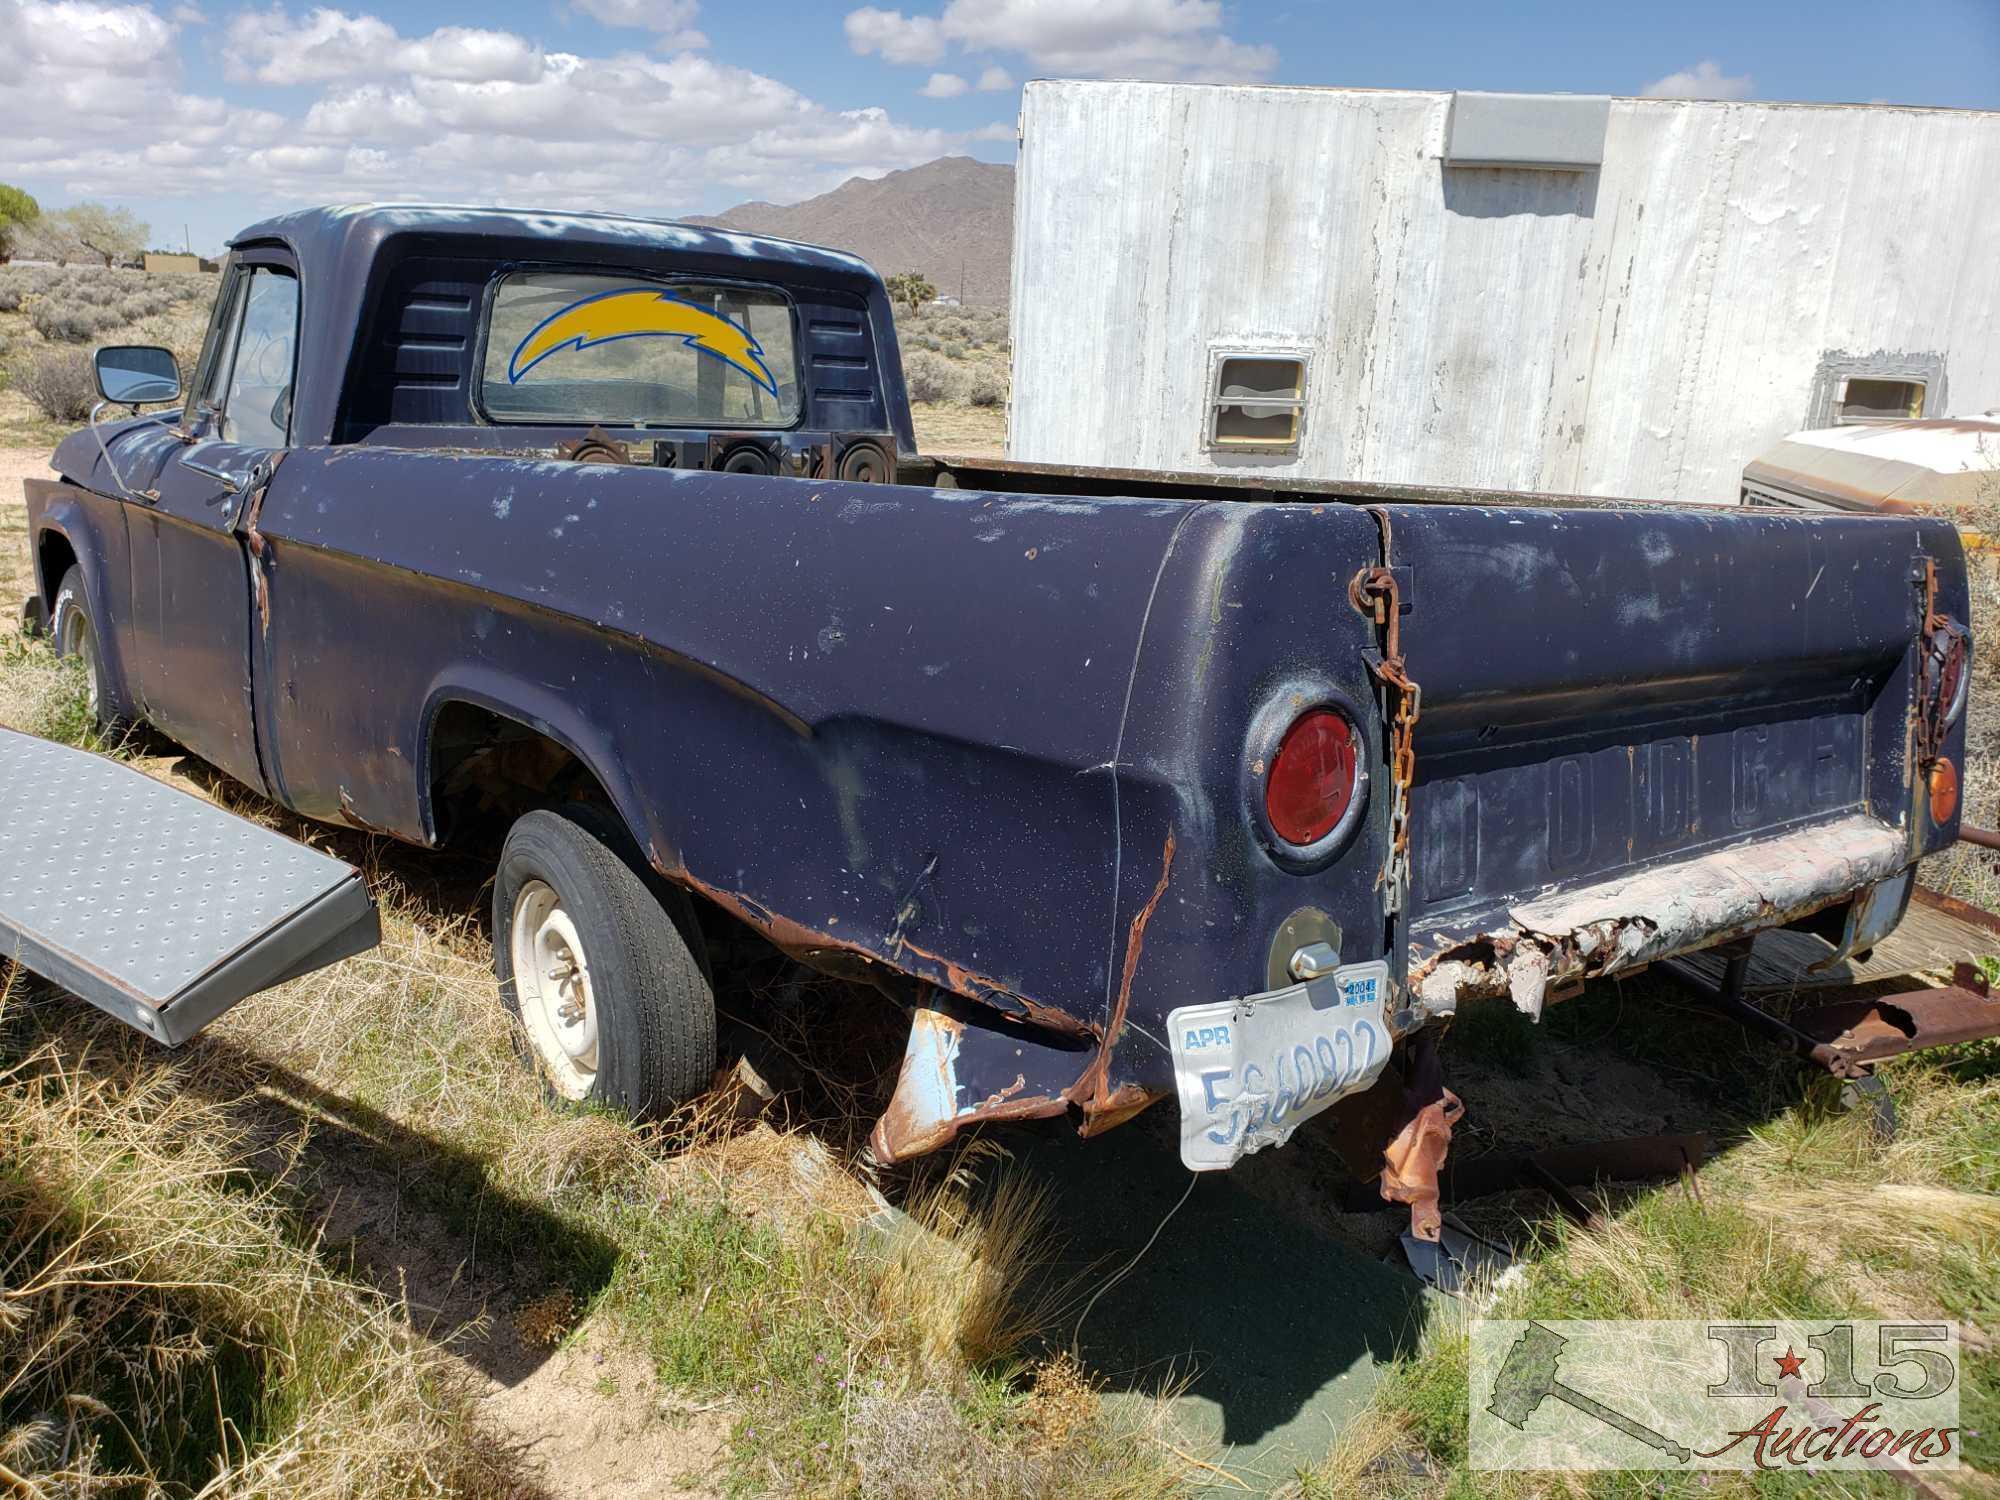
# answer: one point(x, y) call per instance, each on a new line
point(1705, 80)
point(1177, 39)
point(944, 86)
point(271, 47)
point(672, 19)
point(899, 38)
point(459, 114)
point(116, 39)
point(995, 80)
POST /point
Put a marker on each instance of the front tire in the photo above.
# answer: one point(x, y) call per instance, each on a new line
point(602, 963)
point(74, 633)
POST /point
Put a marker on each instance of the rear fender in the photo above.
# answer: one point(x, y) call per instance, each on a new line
point(536, 706)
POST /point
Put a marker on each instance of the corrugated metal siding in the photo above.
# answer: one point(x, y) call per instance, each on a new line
point(1643, 330)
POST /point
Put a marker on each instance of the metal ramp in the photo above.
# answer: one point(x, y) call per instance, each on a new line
point(153, 904)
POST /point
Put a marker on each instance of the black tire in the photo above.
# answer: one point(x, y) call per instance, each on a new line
point(73, 632)
point(648, 987)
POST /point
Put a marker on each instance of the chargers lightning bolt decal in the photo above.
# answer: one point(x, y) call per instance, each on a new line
point(641, 313)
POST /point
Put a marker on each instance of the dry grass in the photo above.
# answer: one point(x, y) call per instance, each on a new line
point(960, 431)
point(167, 1323)
point(970, 1283)
point(1809, 1215)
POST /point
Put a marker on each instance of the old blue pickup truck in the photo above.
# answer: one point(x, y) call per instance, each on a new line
point(610, 538)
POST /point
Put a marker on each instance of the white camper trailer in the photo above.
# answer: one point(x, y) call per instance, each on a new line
point(1580, 294)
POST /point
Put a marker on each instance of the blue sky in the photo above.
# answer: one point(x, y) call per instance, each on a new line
point(209, 114)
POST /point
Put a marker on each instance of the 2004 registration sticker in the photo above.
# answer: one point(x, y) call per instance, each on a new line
point(1250, 1071)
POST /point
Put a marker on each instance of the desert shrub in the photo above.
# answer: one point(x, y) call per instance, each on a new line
point(145, 303)
point(10, 298)
point(987, 388)
point(58, 381)
point(930, 377)
point(33, 280)
point(954, 350)
point(67, 320)
point(193, 288)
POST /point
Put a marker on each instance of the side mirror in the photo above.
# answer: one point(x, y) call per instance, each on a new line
point(129, 374)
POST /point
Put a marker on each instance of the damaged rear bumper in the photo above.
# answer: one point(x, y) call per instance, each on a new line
point(1554, 942)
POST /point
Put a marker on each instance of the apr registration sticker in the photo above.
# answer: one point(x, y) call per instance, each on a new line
point(1250, 1071)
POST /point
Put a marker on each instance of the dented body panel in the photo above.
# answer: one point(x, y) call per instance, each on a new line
point(1012, 746)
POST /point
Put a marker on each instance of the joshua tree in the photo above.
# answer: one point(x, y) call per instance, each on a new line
point(910, 288)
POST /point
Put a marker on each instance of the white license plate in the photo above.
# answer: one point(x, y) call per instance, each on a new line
point(1250, 1071)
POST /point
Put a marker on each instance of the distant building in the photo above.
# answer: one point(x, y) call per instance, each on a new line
point(155, 262)
point(944, 302)
point(1626, 297)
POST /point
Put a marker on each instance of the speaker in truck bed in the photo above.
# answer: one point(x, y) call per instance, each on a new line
point(733, 453)
point(866, 462)
point(747, 458)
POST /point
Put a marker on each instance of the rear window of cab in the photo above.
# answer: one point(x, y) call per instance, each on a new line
point(577, 347)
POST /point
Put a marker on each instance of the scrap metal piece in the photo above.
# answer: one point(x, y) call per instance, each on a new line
point(1849, 1036)
point(1727, 997)
point(1415, 1154)
point(1412, 1160)
point(1557, 1170)
point(1457, 1261)
point(1888, 1026)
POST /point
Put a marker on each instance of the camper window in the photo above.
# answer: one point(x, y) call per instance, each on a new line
point(1879, 400)
point(1258, 401)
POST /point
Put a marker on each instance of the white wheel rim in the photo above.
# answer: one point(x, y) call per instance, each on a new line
point(78, 641)
point(552, 984)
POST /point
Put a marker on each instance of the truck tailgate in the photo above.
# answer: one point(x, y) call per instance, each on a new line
point(152, 904)
point(1715, 700)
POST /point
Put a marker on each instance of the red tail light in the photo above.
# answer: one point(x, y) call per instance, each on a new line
point(1312, 777)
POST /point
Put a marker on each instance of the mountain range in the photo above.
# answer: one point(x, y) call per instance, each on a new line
point(951, 219)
